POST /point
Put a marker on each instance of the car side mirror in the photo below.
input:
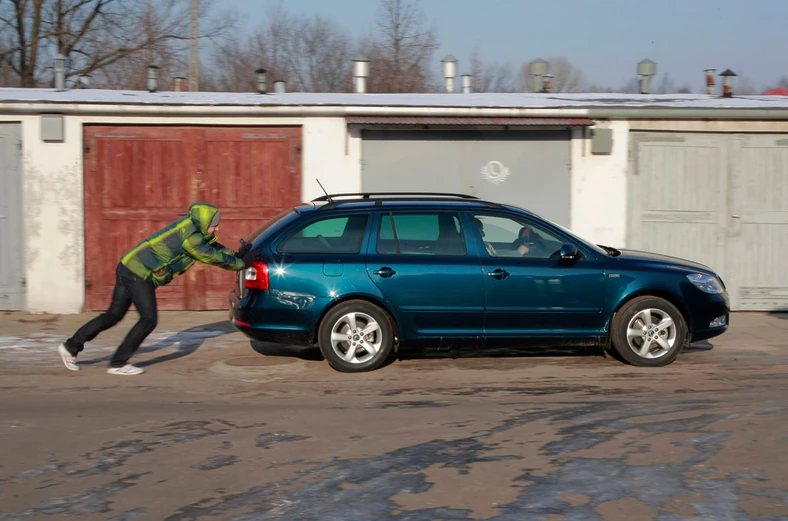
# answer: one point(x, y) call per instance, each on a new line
point(569, 252)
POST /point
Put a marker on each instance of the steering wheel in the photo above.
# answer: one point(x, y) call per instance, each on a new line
point(323, 241)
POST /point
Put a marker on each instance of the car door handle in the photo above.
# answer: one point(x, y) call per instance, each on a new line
point(499, 273)
point(385, 272)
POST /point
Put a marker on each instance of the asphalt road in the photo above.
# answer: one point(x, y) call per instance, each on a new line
point(218, 428)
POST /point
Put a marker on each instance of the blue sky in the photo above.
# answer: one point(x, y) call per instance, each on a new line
point(605, 38)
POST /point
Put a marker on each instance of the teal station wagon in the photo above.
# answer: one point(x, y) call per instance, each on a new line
point(361, 275)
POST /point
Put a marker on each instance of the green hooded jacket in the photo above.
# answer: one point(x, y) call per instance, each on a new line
point(173, 250)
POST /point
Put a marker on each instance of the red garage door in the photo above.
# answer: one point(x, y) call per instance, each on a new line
point(139, 179)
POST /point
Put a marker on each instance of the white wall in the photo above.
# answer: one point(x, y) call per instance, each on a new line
point(54, 197)
point(599, 187)
point(331, 155)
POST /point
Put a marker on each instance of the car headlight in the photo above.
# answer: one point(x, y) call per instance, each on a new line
point(706, 283)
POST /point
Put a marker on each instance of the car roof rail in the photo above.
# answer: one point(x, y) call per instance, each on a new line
point(378, 195)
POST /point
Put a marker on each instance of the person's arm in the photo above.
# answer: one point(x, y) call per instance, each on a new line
point(221, 247)
point(199, 249)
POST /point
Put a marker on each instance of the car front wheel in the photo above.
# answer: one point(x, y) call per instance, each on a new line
point(356, 336)
point(649, 332)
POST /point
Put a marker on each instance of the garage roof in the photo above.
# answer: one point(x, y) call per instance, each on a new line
point(475, 121)
point(475, 100)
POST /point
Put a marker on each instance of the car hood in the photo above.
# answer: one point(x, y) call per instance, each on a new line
point(644, 256)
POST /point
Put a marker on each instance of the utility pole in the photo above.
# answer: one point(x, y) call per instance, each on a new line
point(194, 54)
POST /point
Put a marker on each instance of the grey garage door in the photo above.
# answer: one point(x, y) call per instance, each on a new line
point(720, 199)
point(529, 169)
point(12, 294)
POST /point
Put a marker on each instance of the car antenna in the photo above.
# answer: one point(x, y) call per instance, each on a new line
point(324, 190)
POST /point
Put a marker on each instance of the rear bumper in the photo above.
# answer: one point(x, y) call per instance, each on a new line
point(248, 313)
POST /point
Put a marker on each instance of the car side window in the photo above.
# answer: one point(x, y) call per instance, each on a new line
point(329, 235)
point(508, 237)
point(436, 233)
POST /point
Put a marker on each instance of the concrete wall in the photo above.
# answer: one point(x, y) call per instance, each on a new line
point(599, 187)
point(54, 196)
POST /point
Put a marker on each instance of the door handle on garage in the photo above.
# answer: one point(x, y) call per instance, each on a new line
point(385, 272)
point(499, 273)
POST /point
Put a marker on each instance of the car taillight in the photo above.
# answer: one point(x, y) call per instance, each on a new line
point(256, 275)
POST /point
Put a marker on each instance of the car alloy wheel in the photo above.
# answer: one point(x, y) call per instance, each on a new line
point(648, 331)
point(356, 336)
point(651, 333)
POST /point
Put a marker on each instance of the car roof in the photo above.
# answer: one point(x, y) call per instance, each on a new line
point(373, 200)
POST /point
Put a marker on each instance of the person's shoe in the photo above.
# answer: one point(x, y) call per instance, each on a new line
point(69, 360)
point(126, 370)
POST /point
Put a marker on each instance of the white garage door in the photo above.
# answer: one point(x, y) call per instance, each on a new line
point(719, 199)
point(12, 290)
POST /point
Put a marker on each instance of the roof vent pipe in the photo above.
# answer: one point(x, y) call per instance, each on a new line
point(179, 83)
point(279, 87)
point(466, 84)
point(727, 83)
point(537, 69)
point(449, 72)
point(153, 78)
point(60, 72)
point(548, 83)
point(710, 81)
point(262, 86)
point(646, 69)
point(360, 75)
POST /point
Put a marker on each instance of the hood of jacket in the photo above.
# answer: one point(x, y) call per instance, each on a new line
point(201, 215)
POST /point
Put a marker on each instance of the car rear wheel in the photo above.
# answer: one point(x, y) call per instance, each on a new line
point(356, 336)
point(649, 332)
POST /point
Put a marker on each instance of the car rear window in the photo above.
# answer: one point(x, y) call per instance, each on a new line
point(339, 234)
point(268, 224)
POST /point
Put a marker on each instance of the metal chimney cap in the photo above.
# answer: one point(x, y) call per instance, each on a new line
point(449, 66)
point(728, 72)
point(537, 67)
point(361, 68)
point(647, 68)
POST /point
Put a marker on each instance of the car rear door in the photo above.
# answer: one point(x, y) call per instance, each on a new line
point(421, 262)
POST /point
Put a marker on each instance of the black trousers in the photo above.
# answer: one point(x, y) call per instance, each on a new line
point(129, 289)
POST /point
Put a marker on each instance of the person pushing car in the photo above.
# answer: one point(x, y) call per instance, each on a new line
point(153, 263)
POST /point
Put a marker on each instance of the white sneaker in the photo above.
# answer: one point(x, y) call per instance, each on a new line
point(126, 370)
point(69, 360)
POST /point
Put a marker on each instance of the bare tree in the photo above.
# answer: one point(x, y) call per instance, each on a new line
point(491, 77)
point(668, 86)
point(94, 34)
point(400, 49)
point(783, 82)
point(311, 54)
point(743, 86)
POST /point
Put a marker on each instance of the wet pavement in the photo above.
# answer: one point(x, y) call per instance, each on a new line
point(219, 428)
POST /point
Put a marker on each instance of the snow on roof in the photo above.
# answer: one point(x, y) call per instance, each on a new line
point(475, 100)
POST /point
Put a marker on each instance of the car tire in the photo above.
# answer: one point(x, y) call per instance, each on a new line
point(342, 340)
point(648, 332)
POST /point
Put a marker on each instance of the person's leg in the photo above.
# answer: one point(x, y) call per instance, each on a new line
point(143, 295)
point(119, 305)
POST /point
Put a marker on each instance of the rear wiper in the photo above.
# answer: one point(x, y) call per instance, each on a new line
point(611, 251)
